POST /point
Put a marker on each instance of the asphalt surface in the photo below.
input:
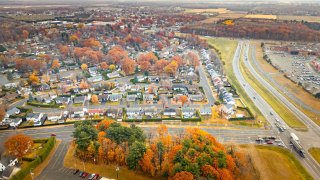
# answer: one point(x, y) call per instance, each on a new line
point(271, 115)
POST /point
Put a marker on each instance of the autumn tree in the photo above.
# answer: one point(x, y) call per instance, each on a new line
point(25, 34)
point(18, 145)
point(64, 50)
point(128, 66)
point(84, 134)
point(159, 46)
point(183, 175)
point(183, 99)
point(104, 66)
point(3, 108)
point(84, 66)
point(84, 85)
point(178, 59)
point(193, 59)
point(33, 78)
point(55, 64)
point(94, 99)
point(116, 54)
point(136, 152)
point(171, 68)
point(112, 67)
point(91, 42)
point(104, 125)
point(160, 65)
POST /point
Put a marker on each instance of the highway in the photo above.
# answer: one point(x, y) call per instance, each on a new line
point(271, 115)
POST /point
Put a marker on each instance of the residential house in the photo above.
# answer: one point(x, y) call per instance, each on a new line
point(43, 87)
point(7, 173)
point(155, 79)
point(187, 112)
point(228, 109)
point(10, 97)
point(170, 112)
point(205, 111)
point(114, 112)
point(114, 97)
point(135, 88)
point(95, 79)
point(95, 112)
point(113, 75)
point(79, 99)
point(131, 97)
point(180, 87)
point(63, 100)
point(12, 111)
point(11, 85)
point(196, 97)
point(15, 122)
point(103, 98)
point(77, 114)
point(35, 117)
point(148, 97)
point(7, 161)
point(93, 71)
point(150, 111)
point(133, 112)
point(54, 116)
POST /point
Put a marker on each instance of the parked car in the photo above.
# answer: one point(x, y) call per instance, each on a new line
point(91, 176)
point(96, 177)
point(81, 173)
point(76, 171)
point(269, 142)
point(84, 175)
point(53, 134)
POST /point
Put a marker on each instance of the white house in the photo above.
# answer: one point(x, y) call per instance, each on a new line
point(169, 112)
point(187, 112)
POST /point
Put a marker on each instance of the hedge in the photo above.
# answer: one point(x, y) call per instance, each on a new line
point(28, 159)
point(33, 103)
point(43, 154)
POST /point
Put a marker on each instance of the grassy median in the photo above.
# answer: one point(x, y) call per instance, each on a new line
point(315, 152)
point(226, 49)
point(281, 110)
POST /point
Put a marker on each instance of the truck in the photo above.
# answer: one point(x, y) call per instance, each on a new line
point(293, 136)
point(296, 145)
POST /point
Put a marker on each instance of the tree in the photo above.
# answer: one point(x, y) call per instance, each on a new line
point(178, 59)
point(183, 99)
point(183, 175)
point(136, 152)
point(84, 85)
point(104, 125)
point(171, 68)
point(25, 34)
point(112, 67)
point(193, 59)
point(160, 65)
point(159, 46)
point(94, 99)
point(104, 65)
point(18, 145)
point(55, 64)
point(117, 54)
point(64, 50)
point(84, 134)
point(2, 111)
point(84, 66)
point(128, 66)
point(33, 78)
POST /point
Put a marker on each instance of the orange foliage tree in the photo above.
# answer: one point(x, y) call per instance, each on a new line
point(84, 66)
point(33, 78)
point(128, 66)
point(55, 64)
point(117, 54)
point(104, 66)
point(183, 99)
point(94, 99)
point(171, 68)
point(18, 145)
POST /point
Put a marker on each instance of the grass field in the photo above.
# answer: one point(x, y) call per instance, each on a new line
point(226, 49)
point(276, 163)
point(299, 18)
point(107, 171)
point(218, 10)
point(261, 16)
point(315, 152)
point(283, 112)
point(228, 15)
point(293, 88)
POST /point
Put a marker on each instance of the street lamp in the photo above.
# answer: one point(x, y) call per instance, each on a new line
point(117, 169)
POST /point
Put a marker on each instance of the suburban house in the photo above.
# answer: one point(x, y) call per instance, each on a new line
point(7, 161)
point(180, 87)
point(79, 99)
point(54, 116)
point(131, 97)
point(113, 75)
point(196, 97)
point(103, 98)
point(11, 85)
point(77, 114)
point(150, 111)
point(133, 112)
point(205, 111)
point(170, 112)
point(10, 97)
point(187, 112)
point(148, 97)
point(228, 109)
point(12, 111)
point(114, 97)
point(114, 112)
point(13, 122)
point(63, 100)
point(95, 79)
point(135, 88)
point(95, 112)
point(35, 117)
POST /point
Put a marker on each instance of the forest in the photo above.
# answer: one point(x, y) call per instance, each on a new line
point(187, 155)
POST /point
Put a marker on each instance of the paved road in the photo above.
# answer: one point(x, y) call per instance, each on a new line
point(204, 82)
point(278, 86)
point(267, 110)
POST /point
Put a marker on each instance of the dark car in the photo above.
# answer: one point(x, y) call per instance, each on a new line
point(96, 177)
point(76, 171)
point(84, 175)
point(53, 134)
point(91, 176)
point(81, 173)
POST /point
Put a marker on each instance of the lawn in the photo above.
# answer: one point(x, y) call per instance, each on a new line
point(276, 163)
point(299, 18)
point(217, 10)
point(261, 16)
point(226, 49)
point(107, 171)
point(315, 152)
point(283, 112)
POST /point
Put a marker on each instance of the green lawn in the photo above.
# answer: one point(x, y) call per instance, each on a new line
point(283, 112)
point(315, 152)
point(226, 49)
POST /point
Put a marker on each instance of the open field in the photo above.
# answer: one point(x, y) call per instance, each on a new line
point(226, 49)
point(228, 15)
point(218, 10)
point(315, 152)
point(299, 18)
point(261, 16)
point(291, 87)
point(276, 163)
point(283, 112)
point(32, 17)
point(104, 170)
